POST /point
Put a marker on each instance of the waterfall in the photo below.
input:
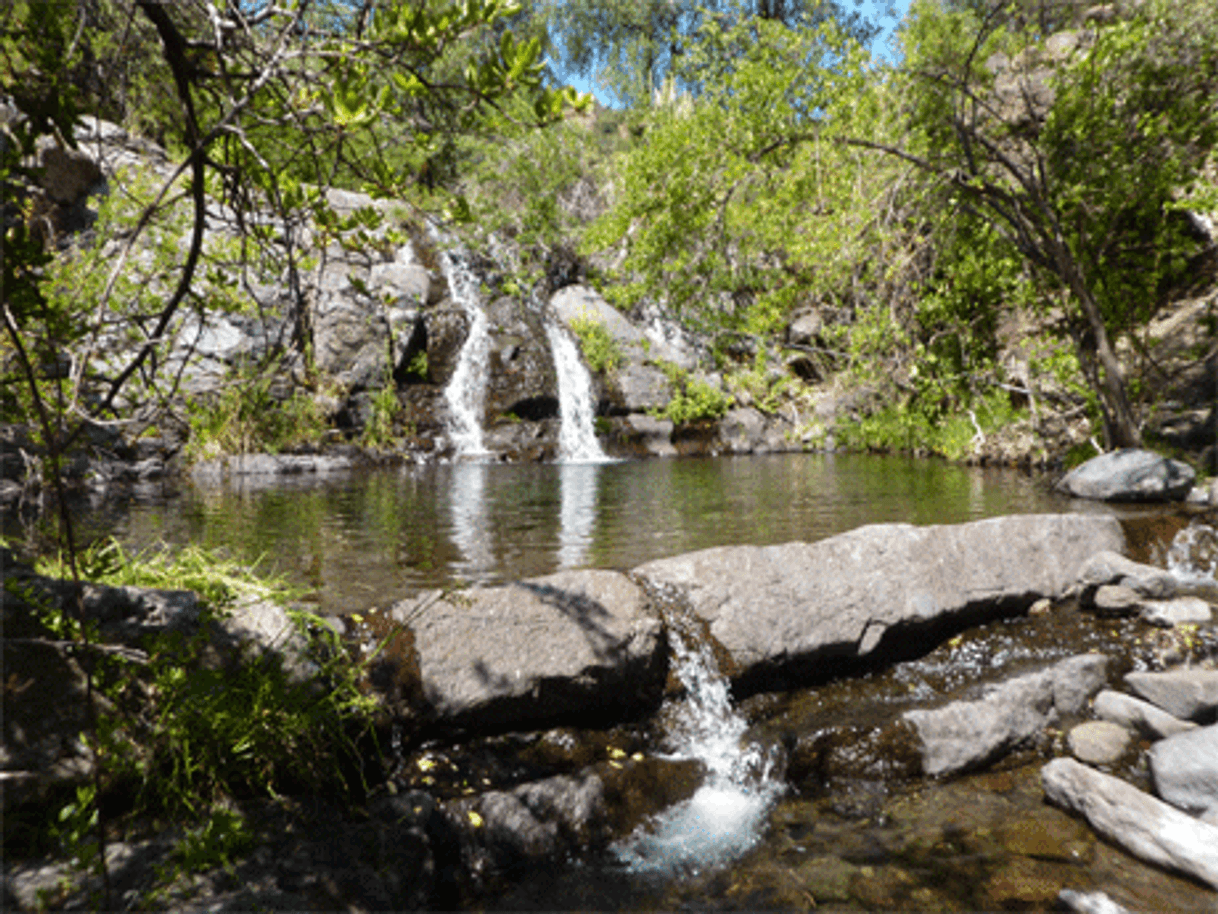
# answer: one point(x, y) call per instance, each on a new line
point(466, 391)
point(577, 442)
point(726, 815)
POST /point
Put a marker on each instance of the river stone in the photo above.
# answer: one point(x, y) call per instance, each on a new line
point(966, 735)
point(1098, 742)
point(780, 610)
point(1185, 769)
point(1116, 600)
point(1130, 475)
point(1188, 694)
point(1180, 611)
point(1146, 827)
point(1139, 715)
point(1089, 902)
point(577, 644)
point(1109, 567)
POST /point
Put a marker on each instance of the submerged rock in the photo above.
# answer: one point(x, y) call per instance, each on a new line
point(1146, 827)
point(1130, 475)
point(780, 611)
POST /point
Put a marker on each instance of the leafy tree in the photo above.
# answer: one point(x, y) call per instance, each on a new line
point(745, 204)
point(632, 47)
point(1075, 149)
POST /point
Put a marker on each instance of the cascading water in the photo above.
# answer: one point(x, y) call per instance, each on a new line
point(466, 391)
point(577, 442)
point(726, 815)
point(1192, 557)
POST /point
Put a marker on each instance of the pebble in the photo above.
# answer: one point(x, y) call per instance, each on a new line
point(1098, 742)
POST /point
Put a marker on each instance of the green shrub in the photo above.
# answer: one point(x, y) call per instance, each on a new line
point(601, 351)
point(245, 418)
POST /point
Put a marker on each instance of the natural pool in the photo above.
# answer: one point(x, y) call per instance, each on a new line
point(364, 538)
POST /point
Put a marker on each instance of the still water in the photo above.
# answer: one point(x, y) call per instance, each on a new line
point(367, 538)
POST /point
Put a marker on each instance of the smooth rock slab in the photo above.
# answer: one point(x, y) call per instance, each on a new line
point(1185, 769)
point(537, 652)
point(1146, 827)
point(779, 610)
point(1138, 715)
point(966, 735)
point(1180, 611)
point(1187, 694)
point(1130, 475)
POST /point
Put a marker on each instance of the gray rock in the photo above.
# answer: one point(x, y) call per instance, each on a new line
point(1180, 611)
point(1116, 600)
point(966, 735)
point(778, 609)
point(640, 435)
point(1138, 715)
point(1146, 827)
point(537, 651)
point(1185, 769)
point(637, 387)
point(1109, 567)
point(1098, 742)
point(1090, 902)
point(522, 380)
point(1130, 475)
point(1188, 694)
point(67, 174)
point(742, 430)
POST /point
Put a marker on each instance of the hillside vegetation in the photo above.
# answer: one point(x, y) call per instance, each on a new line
point(996, 248)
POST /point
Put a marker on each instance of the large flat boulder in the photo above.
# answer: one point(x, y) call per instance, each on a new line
point(781, 610)
point(573, 645)
point(1130, 475)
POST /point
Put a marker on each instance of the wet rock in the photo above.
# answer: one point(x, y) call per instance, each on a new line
point(1115, 600)
point(848, 753)
point(1109, 567)
point(1146, 827)
point(221, 468)
point(1089, 902)
point(1024, 883)
point(1189, 694)
point(521, 382)
point(637, 788)
point(1138, 715)
point(1098, 742)
point(1185, 769)
point(537, 652)
point(966, 735)
point(1040, 838)
point(640, 435)
point(1130, 475)
point(826, 879)
point(443, 334)
point(780, 611)
point(1180, 611)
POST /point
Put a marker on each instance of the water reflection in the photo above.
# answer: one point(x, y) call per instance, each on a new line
point(364, 537)
point(577, 512)
point(470, 527)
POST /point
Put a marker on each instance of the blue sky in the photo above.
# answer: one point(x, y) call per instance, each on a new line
point(870, 8)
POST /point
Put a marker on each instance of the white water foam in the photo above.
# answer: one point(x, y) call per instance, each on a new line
point(727, 814)
point(577, 441)
point(466, 391)
point(1192, 557)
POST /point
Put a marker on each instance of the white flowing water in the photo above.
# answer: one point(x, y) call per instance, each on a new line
point(466, 391)
point(577, 442)
point(1192, 557)
point(727, 814)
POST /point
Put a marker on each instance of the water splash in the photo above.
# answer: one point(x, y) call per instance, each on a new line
point(1192, 557)
point(466, 391)
point(577, 441)
point(727, 814)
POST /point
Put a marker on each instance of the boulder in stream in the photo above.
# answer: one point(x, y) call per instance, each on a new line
point(1185, 769)
point(577, 644)
point(785, 612)
point(1130, 474)
point(1146, 827)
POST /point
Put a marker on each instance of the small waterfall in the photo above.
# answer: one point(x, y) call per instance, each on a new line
point(577, 442)
point(466, 390)
point(725, 817)
point(1192, 557)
